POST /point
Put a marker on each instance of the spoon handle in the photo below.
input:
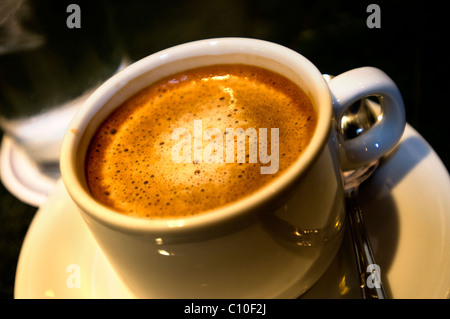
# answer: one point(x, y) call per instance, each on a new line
point(368, 269)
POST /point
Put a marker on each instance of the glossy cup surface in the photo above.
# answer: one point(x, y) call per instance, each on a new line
point(275, 243)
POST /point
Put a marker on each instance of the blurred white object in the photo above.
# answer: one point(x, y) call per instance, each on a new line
point(22, 177)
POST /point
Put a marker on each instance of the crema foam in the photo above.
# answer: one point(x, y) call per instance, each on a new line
point(198, 140)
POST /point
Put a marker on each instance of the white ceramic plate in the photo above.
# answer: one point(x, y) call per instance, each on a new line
point(22, 177)
point(407, 204)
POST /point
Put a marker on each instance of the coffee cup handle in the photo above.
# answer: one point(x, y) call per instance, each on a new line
point(351, 86)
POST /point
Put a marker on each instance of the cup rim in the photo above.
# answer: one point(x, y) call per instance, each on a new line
point(107, 216)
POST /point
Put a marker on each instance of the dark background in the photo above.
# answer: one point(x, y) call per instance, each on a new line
point(410, 46)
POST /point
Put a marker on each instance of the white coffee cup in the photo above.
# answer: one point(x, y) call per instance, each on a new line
point(274, 243)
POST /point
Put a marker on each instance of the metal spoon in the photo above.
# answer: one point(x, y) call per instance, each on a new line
point(360, 117)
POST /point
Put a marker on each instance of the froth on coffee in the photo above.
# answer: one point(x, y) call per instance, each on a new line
point(132, 164)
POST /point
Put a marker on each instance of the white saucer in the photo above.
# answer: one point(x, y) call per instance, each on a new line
point(407, 204)
point(22, 177)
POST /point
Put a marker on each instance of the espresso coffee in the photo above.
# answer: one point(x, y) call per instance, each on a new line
point(198, 140)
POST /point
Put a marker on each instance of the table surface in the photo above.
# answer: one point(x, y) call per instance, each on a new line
point(409, 47)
